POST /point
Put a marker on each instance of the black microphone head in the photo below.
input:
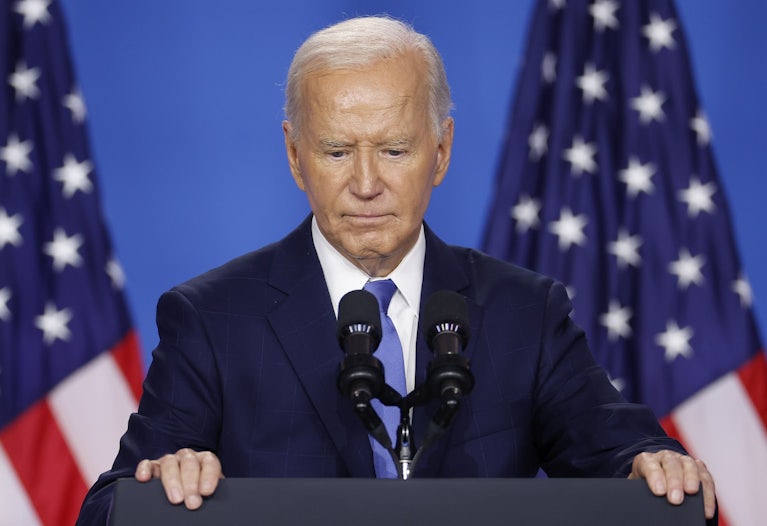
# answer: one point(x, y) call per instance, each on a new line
point(358, 313)
point(446, 310)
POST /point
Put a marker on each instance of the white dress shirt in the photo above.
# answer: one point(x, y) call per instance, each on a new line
point(341, 276)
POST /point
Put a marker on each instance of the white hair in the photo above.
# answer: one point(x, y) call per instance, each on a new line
point(358, 43)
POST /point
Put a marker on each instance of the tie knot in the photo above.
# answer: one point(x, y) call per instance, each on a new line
point(383, 290)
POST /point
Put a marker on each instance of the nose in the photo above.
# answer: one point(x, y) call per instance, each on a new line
point(365, 181)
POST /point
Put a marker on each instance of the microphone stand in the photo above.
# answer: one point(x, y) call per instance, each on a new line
point(405, 452)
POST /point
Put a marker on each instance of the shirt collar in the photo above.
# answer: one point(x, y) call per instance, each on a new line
point(341, 276)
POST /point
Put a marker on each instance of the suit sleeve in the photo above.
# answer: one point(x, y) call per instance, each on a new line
point(583, 425)
point(180, 406)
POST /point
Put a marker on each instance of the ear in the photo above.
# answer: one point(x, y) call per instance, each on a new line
point(444, 150)
point(291, 149)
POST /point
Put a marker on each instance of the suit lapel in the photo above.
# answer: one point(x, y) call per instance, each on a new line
point(442, 271)
point(305, 324)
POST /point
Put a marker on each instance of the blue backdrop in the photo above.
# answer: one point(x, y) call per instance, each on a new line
point(185, 106)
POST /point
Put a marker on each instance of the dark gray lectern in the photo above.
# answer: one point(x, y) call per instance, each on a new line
point(443, 502)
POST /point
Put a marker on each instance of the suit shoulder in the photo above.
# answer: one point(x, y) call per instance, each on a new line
point(247, 272)
point(252, 265)
point(492, 274)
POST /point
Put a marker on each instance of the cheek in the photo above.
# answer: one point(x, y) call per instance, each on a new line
point(322, 197)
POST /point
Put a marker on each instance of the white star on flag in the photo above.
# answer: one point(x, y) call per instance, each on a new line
point(616, 320)
point(569, 229)
point(618, 383)
point(649, 104)
point(592, 83)
point(603, 12)
point(53, 323)
point(571, 292)
point(626, 249)
point(116, 274)
point(638, 177)
point(659, 32)
point(24, 81)
point(74, 175)
point(742, 288)
point(557, 4)
point(34, 11)
point(75, 103)
point(16, 155)
point(702, 129)
point(549, 67)
point(63, 249)
point(698, 197)
point(5, 295)
point(9, 228)
point(538, 141)
point(687, 268)
point(675, 340)
point(581, 156)
point(525, 213)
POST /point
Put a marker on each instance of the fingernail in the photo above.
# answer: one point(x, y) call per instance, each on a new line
point(676, 496)
point(176, 496)
point(193, 502)
point(205, 487)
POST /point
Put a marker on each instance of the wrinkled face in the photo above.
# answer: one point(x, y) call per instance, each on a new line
point(367, 158)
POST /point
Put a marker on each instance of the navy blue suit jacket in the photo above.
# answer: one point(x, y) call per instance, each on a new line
point(247, 362)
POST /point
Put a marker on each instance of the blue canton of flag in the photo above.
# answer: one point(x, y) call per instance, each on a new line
point(607, 182)
point(67, 350)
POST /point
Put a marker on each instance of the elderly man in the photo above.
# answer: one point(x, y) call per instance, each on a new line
point(243, 380)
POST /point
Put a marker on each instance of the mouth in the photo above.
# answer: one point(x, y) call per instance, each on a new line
point(368, 218)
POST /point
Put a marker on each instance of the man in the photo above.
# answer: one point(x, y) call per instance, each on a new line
point(243, 379)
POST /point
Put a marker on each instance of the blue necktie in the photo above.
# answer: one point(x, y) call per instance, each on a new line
point(390, 354)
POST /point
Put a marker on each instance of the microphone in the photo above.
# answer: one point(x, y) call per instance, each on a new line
point(446, 319)
point(361, 376)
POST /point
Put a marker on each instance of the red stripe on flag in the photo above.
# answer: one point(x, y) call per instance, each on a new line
point(670, 428)
point(44, 465)
point(127, 355)
point(753, 376)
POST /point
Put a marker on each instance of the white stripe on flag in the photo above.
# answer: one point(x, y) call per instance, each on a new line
point(15, 507)
point(721, 427)
point(92, 407)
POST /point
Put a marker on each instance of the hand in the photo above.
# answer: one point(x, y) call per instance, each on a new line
point(187, 476)
point(673, 474)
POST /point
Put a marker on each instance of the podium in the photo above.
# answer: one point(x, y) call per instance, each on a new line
point(446, 502)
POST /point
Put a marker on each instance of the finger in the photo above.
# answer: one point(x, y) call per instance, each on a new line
point(674, 471)
point(189, 469)
point(691, 477)
point(648, 467)
point(144, 470)
point(171, 478)
point(210, 473)
point(709, 490)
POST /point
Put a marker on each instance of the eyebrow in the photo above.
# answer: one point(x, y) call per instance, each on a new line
point(332, 143)
point(399, 141)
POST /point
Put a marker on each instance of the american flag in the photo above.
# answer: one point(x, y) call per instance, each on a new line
point(70, 368)
point(607, 181)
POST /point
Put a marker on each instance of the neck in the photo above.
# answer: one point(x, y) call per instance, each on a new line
point(378, 267)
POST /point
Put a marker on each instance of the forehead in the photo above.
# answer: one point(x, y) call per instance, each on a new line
point(388, 90)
